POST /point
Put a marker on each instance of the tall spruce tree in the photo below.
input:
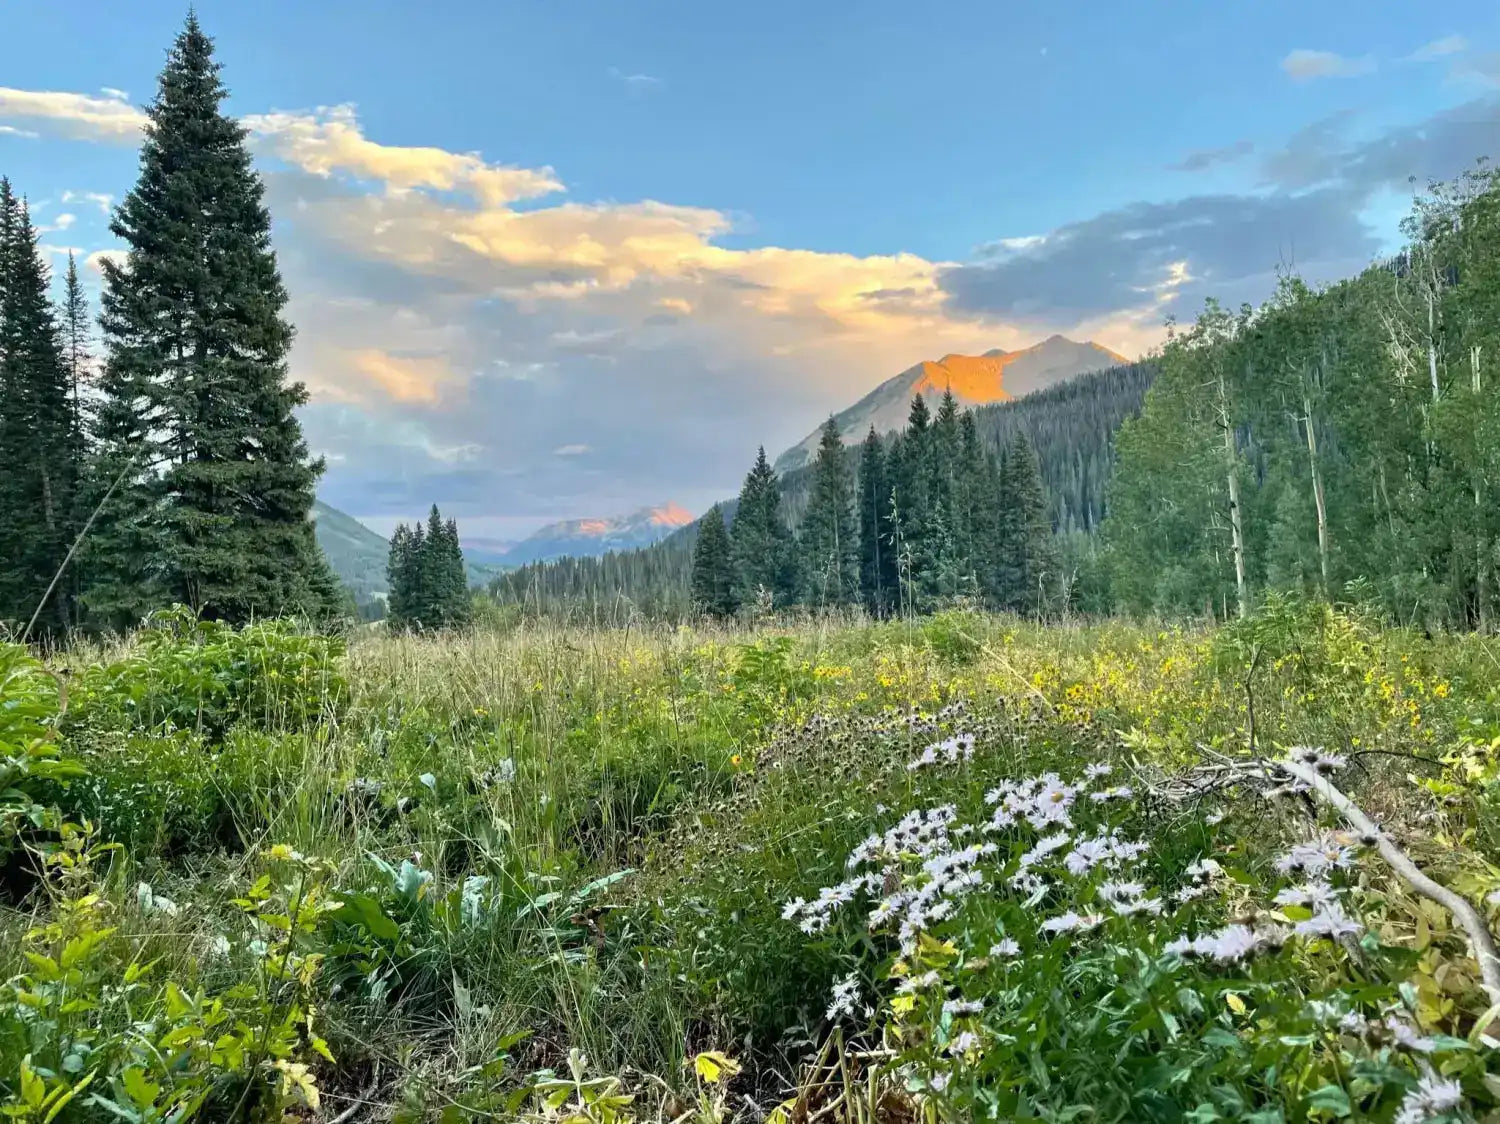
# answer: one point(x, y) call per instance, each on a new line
point(828, 544)
point(712, 578)
point(197, 423)
point(877, 554)
point(764, 563)
point(1025, 563)
point(429, 587)
point(39, 448)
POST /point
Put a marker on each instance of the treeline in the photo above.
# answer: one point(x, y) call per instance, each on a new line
point(1070, 428)
point(179, 452)
point(1342, 435)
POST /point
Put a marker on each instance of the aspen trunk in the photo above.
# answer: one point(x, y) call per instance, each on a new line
point(1317, 483)
point(1236, 527)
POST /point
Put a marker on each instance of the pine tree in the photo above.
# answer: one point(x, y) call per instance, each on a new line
point(712, 581)
point(762, 544)
point(39, 453)
point(828, 543)
point(198, 409)
point(1025, 564)
point(877, 554)
point(429, 587)
point(75, 341)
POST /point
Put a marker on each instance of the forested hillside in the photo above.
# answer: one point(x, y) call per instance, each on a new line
point(1349, 434)
point(1070, 427)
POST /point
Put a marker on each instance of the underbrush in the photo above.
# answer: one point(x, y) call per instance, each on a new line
point(941, 869)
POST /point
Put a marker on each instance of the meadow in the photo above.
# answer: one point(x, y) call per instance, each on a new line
point(941, 869)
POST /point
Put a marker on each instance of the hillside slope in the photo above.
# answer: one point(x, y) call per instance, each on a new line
point(975, 380)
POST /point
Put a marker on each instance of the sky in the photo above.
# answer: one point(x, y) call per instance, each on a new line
point(565, 258)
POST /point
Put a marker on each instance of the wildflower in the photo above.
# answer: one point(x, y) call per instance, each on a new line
point(1097, 769)
point(964, 1043)
point(792, 908)
point(1044, 847)
point(1005, 948)
point(939, 1081)
point(1432, 1097)
point(1087, 854)
point(1032, 885)
point(1071, 922)
point(1203, 870)
point(1214, 817)
point(1231, 943)
point(1406, 1036)
point(913, 984)
point(1331, 922)
point(845, 993)
point(963, 1006)
point(1120, 792)
point(1312, 895)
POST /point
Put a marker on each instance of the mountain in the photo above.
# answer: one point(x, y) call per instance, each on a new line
point(358, 555)
point(976, 380)
point(583, 538)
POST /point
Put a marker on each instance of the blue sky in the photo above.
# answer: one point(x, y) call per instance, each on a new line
point(558, 259)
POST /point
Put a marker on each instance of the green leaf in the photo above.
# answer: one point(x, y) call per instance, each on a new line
point(1330, 1098)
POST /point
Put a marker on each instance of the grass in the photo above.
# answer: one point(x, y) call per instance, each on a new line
point(417, 872)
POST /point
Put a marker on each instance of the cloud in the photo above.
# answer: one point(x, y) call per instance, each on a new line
point(103, 200)
point(1304, 65)
point(13, 131)
point(1484, 68)
point(1204, 158)
point(637, 83)
point(1438, 147)
point(329, 140)
point(1156, 258)
point(1439, 49)
point(96, 260)
point(571, 450)
point(78, 116)
point(62, 222)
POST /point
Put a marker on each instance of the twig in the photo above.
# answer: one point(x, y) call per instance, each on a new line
point(1481, 941)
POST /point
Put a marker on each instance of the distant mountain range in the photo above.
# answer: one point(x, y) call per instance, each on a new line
point(358, 555)
point(975, 380)
point(586, 538)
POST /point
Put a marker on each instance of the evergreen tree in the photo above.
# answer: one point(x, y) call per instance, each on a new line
point(828, 544)
point(877, 555)
point(39, 451)
point(76, 347)
point(762, 544)
point(429, 587)
point(197, 423)
point(1026, 567)
point(713, 584)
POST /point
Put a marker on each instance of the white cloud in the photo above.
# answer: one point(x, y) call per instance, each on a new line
point(96, 260)
point(329, 140)
point(1304, 65)
point(103, 200)
point(571, 450)
point(13, 131)
point(1440, 48)
point(79, 116)
point(638, 83)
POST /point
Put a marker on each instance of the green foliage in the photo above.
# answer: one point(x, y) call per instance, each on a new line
point(199, 451)
point(427, 577)
point(40, 433)
point(762, 549)
point(713, 579)
point(31, 762)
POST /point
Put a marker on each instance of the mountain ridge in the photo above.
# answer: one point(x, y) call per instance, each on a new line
point(975, 380)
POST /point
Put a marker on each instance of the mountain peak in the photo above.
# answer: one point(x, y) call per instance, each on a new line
point(974, 380)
